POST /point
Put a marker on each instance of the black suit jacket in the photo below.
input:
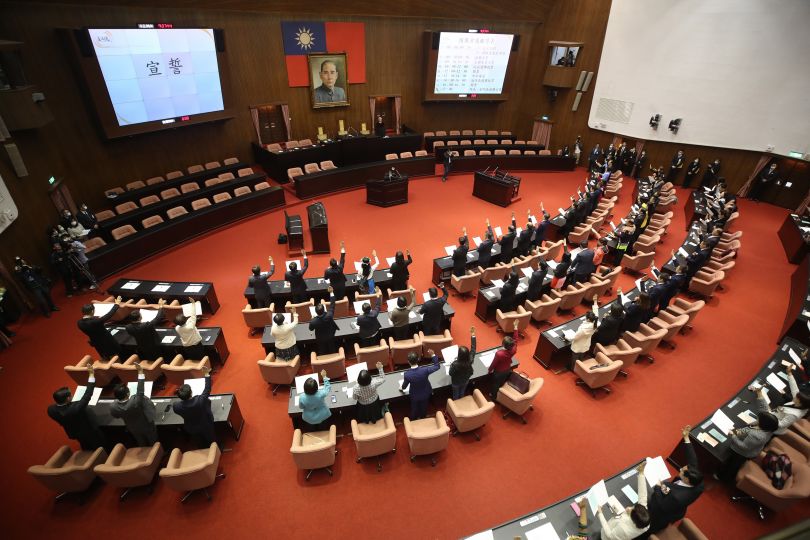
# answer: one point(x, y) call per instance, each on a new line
point(508, 292)
point(138, 412)
point(432, 311)
point(324, 325)
point(507, 243)
point(399, 271)
point(296, 279)
point(146, 337)
point(100, 338)
point(335, 276)
point(198, 419)
point(79, 421)
point(368, 322)
point(583, 263)
point(609, 330)
point(261, 289)
point(670, 507)
point(535, 289)
point(460, 259)
point(485, 252)
point(525, 240)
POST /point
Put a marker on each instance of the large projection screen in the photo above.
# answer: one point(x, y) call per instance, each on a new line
point(735, 71)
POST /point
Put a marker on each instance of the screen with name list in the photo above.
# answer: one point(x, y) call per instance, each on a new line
point(472, 63)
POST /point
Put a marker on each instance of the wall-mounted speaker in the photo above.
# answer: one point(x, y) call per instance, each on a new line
point(577, 98)
point(581, 80)
point(587, 81)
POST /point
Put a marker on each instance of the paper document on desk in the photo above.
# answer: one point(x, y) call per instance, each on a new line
point(147, 388)
point(776, 382)
point(747, 417)
point(101, 309)
point(412, 315)
point(130, 285)
point(656, 471)
point(527, 271)
point(708, 439)
point(358, 306)
point(487, 358)
point(301, 379)
point(193, 289)
point(498, 231)
point(401, 382)
point(450, 353)
point(630, 493)
point(162, 287)
point(197, 385)
point(187, 309)
point(483, 535)
point(722, 421)
point(79, 393)
point(477, 240)
point(449, 249)
point(497, 283)
point(392, 303)
point(353, 371)
point(168, 339)
point(426, 296)
point(682, 252)
point(615, 506)
point(543, 532)
point(597, 496)
point(148, 315)
point(793, 356)
point(390, 260)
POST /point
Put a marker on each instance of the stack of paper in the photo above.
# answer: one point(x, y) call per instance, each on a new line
point(656, 471)
point(722, 421)
point(708, 439)
point(392, 304)
point(79, 393)
point(615, 506)
point(167, 339)
point(747, 417)
point(352, 372)
point(197, 385)
point(301, 379)
point(147, 388)
point(193, 288)
point(287, 317)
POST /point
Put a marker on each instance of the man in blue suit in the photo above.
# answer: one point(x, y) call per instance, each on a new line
point(417, 378)
point(583, 266)
point(198, 419)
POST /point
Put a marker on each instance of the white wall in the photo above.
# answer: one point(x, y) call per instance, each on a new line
point(736, 71)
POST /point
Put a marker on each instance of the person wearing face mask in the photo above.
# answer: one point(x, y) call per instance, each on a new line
point(37, 283)
point(766, 179)
point(87, 218)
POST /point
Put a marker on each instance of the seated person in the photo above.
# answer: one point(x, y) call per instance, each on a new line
point(634, 520)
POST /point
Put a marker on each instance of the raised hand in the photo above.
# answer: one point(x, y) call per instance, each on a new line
point(516, 324)
point(190, 299)
point(304, 253)
point(118, 300)
point(161, 302)
point(324, 375)
point(206, 371)
point(374, 253)
point(431, 353)
point(379, 365)
point(472, 330)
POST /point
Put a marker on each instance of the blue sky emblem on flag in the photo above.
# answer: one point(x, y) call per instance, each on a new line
point(303, 37)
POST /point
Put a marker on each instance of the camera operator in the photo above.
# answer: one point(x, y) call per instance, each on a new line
point(37, 283)
point(75, 251)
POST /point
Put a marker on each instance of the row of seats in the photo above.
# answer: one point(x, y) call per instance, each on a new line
point(106, 371)
point(188, 187)
point(491, 142)
point(406, 155)
point(173, 213)
point(309, 168)
point(138, 184)
point(501, 152)
point(278, 147)
point(464, 132)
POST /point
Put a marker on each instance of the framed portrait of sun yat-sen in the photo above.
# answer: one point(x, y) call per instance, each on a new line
point(328, 80)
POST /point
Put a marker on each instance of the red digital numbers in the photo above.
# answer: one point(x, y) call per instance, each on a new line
point(165, 25)
point(184, 118)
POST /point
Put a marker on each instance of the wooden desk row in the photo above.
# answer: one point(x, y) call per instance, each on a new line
point(152, 291)
point(795, 237)
point(317, 288)
point(797, 317)
point(213, 342)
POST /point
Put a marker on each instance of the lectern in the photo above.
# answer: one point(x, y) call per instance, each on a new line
point(387, 192)
point(318, 228)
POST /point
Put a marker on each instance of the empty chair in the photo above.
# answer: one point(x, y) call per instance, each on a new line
point(470, 412)
point(500, 152)
point(554, 250)
point(484, 152)
point(427, 437)
point(543, 309)
point(176, 212)
point(212, 182)
point(137, 184)
point(122, 232)
point(520, 142)
point(374, 440)
point(492, 141)
point(123, 208)
point(316, 450)
point(257, 318)
point(638, 262)
point(195, 169)
point(302, 308)
point(200, 203)
point(241, 190)
point(102, 370)
point(480, 132)
point(452, 143)
point(151, 221)
point(67, 471)
point(326, 165)
point(469, 152)
point(679, 306)
point(372, 354)
point(596, 373)
point(479, 141)
point(113, 192)
point(273, 147)
point(544, 152)
point(506, 141)
point(441, 133)
point(405, 155)
point(192, 471)
point(492, 132)
point(506, 132)
point(529, 152)
point(514, 152)
point(570, 297)
point(169, 193)
point(225, 177)
point(516, 403)
point(311, 168)
point(222, 197)
point(506, 321)
point(127, 371)
point(247, 171)
point(402, 348)
point(436, 342)
point(294, 172)
point(646, 338)
point(334, 364)
point(279, 372)
point(671, 323)
point(212, 165)
point(391, 156)
point(130, 468)
point(151, 199)
point(454, 133)
point(260, 186)
point(705, 283)
point(154, 180)
point(428, 134)
point(104, 214)
point(305, 142)
point(466, 285)
point(685, 530)
point(752, 480)
point(173, 174)
point(230, 161)
point(180, 369)
point(579, 234)
point(498, 271)
point(466, 132)
point(291, 144)
point(621, 350)
point(646, 242)
point(92, 244)
point(437, 144)
point(465, 142)
point(341, 307)
point(188, 187)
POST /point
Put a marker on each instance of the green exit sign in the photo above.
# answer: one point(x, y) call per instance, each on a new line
point(51, 180)
point(795, 154)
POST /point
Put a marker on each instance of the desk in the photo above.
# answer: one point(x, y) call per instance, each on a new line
point(136, 194)
point(512, 163)
point(795, 244)
point(500, 190)
point(315, 184)
point(387, 192)
point(694, 207)
point(227, 417)
point(711, 457)
point(343, 153)
point(178, 290)
point(389, 390)
point(489, 298)
point(213, 343)
point(317, 288)
point(552, 348)
point(347, 332)
point(797, 318)
point(562, 516)
point(120, 254)
point(690, 244)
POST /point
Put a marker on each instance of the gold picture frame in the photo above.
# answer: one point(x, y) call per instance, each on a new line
point(325, 69)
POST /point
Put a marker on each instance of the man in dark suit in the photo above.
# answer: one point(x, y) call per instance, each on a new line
point(138, 412)
point(524, 241)
point(582, 267)
point(508, 299)
point(399, 271)
point(295, 277)
point(369, 325)
point(766, 179)
point(540, 229)
point(324, 326)
point(432, 311)
point(448, 162)
point(507, 242)
point(417, 379)
point(146, 337)
point(676, 166)
point(93, 326)
point(691, 172)
point(594, 157)
point(669, 500)
point(335, 276)
point(639, 166)
point(198, 419)
point(711, 174)
point(261, 289)
point(535, 288)
point(87, 218)
point(78, 421)
point(460, 255)
point(610, 327)
point(485, 248)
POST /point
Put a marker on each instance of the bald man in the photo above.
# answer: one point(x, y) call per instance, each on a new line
point(327, 92)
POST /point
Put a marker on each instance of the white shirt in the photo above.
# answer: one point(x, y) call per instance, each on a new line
point(285, 334)
point(189, 335)
point(621, 527)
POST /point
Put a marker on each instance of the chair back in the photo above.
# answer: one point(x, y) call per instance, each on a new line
point(334, 364)
point(257, 318)
point(277, 371)
point(401, 349)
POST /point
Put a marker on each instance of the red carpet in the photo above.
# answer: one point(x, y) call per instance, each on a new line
point(571, 440)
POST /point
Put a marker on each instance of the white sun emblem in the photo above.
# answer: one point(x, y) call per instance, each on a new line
point(304, 38)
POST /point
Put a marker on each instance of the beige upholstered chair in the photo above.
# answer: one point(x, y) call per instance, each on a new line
point(610, 277)
point(221, 197)
point(169, 193)
point(598, 372)
point(493, 272)
point(470, 412)
point(646, 242)
point(469, 152)
point(685, 530)
point(130, 468)
point(326, 165)
point(305, 142)
point(705, 283)
point(638, 262)
point(302, 308)
point(154, 180)
point(499, 152)
point(373, 354)
point(427, 437)
point(192, 471)
point(176, 212)
point(104, 214)
point(311, 168)
point(421, 153)
point(402, 348)
point(180, 369)
point(466, 285)
point(127, 371)
point(334, 364)
point(671, 323)
point(621, 350)
point(679, 306)
point(257, 318)
point(246, 171)
point(68, 471)
point(294, 172)
point(241, 190)
point(580, 233)
point(517, 403)
point(102, 371)
point(570, 297)
point(122, 232)
point(171, 175)
point(279, 372)
point(794, 445)
point(314, 450)
point(200, 203)
point(646, 338)
point(341, 307)
point(124, 310)
point(212, 165)
point(436, 342)
point(260, 186)
point(753, 481)
point(273, 147)
point(409, 294)
point(543, 309)
point(390, 157)
point(226, 176)
point(137, 184)
point(211, 182)
point(506, 321)
point(485, 152)
point(374, 440)
point(151, 221)
point(371, 298)
point(555, 250)
point(151, 199)
point(405, 155)
point(230, 161)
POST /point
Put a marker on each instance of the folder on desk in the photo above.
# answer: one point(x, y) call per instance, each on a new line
point(301, 379)
point(543, 532)
point(353, 371)
point(168, 339)
point(79, 394)
point(391, 303)
point(358, 306)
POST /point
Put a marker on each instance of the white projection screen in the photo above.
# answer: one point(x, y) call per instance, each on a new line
point(735, 71)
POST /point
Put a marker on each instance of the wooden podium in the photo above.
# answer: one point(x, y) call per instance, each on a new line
point(500, 189)
point(318, 228)
point(387, 192)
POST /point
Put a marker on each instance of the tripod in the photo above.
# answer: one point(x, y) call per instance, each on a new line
point(81, 270)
